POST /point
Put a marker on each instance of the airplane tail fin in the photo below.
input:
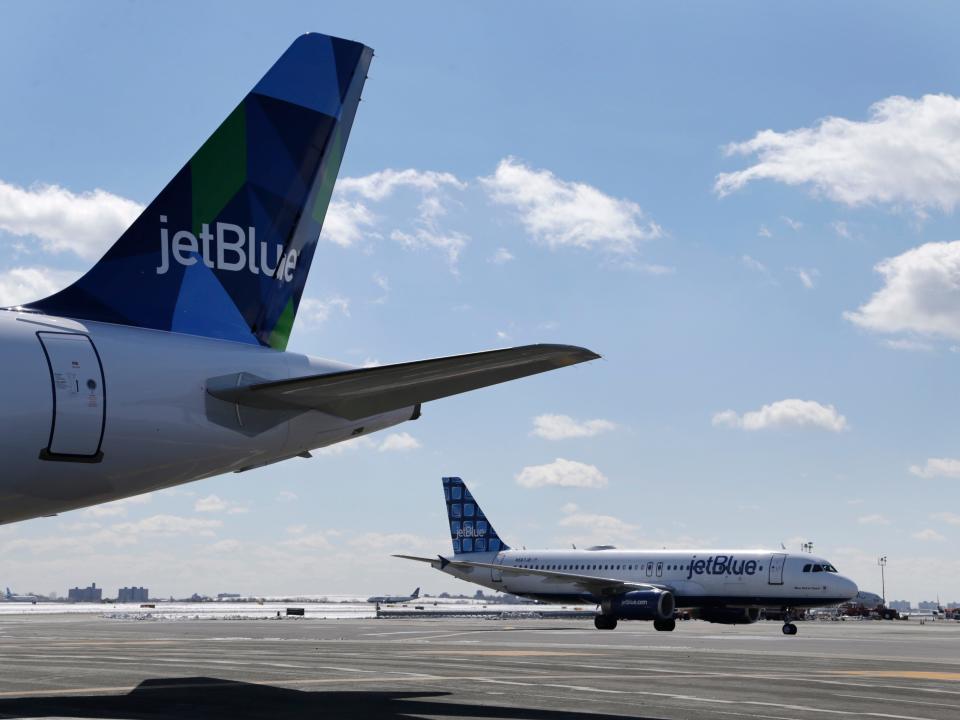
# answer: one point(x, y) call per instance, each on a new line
point(225, 248)
point(470, 531)
point(415, 594)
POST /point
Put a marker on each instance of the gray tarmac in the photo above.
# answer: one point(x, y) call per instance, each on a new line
point(92, 667)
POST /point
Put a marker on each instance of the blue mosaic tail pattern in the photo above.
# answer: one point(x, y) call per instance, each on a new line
point(470, 531)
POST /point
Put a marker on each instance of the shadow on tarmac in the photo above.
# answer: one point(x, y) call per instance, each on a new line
point(211, 698)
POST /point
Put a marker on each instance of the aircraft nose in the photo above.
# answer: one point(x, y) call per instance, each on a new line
point(848, 588)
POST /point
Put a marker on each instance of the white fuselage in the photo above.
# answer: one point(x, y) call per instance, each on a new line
point(697, 578)
point(79, 426)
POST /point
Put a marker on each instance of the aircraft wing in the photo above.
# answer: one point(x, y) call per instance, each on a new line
point(355, 394)
point(591, 584)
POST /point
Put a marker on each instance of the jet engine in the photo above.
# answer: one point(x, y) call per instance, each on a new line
point(730, 616)
point(640, 605)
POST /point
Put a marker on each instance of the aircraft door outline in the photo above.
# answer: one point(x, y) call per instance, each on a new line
point(776, 569)
point(79, 397)
point(496, 575)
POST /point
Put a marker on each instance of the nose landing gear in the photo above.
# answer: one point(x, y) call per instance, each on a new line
point(788, 627)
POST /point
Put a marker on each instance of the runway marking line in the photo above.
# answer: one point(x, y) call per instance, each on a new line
point(507, 653)
point(907, 674)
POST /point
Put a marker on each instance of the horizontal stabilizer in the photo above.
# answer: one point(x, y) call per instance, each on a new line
point(432, 561)
point(355, 394)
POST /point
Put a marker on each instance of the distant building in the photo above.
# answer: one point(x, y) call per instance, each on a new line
point(87, 594)
point(928, 605)
point(228, 596)
point(899, 605)
point(133, 595)
point(954, 605)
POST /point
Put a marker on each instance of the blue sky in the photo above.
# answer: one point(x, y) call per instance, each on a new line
point(593, 175)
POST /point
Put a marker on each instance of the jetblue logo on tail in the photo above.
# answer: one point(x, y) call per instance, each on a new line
point(227, 247)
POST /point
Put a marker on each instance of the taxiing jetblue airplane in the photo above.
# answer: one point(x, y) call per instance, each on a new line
point(165, 363)
point(720, 586)
point(393, 599)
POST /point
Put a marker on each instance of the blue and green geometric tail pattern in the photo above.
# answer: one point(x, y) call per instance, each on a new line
point(225, 248)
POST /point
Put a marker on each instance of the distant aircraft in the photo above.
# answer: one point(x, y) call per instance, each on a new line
point(923, 614)
point(10, 597)
point(392, 599)
point(721, 586)
point(164, 364)
point(868, 599)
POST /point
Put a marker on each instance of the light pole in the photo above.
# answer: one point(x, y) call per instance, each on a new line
point(882, 562)
point(807, 546)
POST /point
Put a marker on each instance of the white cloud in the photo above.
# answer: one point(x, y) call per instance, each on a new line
point(921, 293)
point(347, 222)
point(374, 542)
point(400, 441)
point(287, 496)
point(764, 231)
point(117, 508)
point(561, 427)
point(382, 282)
point(842, 229)
point(559, 213)
point(908, 345)
point(501, 256)
point(345, 446)
point(794, 225)
point(605, 528)
point(938, 467)
point(807, 277)
point(394, 442)
point(928, 535)
point(213, 504)
point(561, 473)
point(24, 284)
point(310, 541)
point(85, 224)
point(948, 517)
point(380, 185)
point(874, 519)
point(314, 312)
point(168, 525)
point(906, 152)
point(785, 413)
point(752, 264)
point(350, 218)
point(450, 243)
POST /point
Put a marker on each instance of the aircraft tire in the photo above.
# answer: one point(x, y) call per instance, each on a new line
point(604, 622)
point(789, 629)
point(665, 625)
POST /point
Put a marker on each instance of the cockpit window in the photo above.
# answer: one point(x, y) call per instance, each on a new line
point(818, 568)
point(806, 568)
point(829, 568)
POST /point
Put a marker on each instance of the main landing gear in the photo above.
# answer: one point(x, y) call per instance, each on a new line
point(604, 622)
point(665, 625)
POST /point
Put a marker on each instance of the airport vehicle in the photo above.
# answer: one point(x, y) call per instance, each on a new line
point(394, 599)
point(166, 362)
point(13, 597)
point(730, 587)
